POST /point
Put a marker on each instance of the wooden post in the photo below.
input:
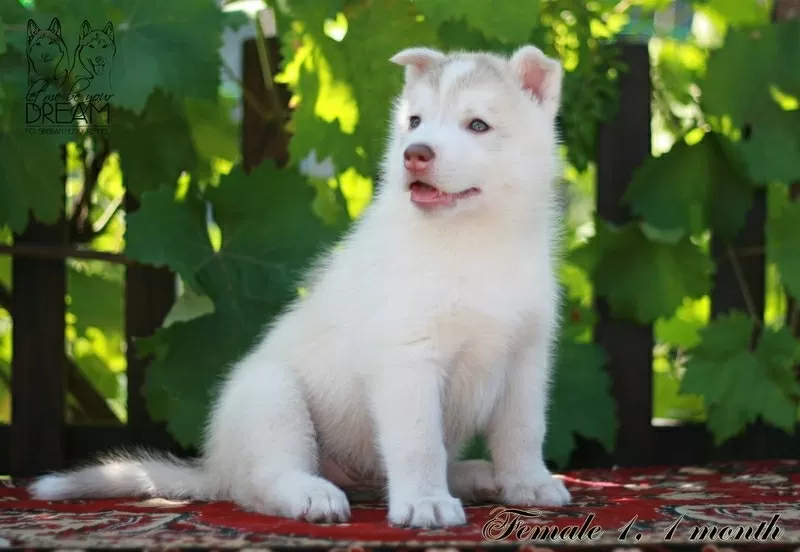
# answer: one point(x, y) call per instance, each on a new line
point(262, 139)
point(38, 383)
point(623, 145)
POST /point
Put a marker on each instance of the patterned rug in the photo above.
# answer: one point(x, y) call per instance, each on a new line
point(754, 504)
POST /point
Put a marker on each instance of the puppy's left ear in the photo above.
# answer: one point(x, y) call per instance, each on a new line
point(540, 75)
point(417, 60)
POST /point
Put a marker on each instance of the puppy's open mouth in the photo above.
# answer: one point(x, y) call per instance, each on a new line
point(425, 195)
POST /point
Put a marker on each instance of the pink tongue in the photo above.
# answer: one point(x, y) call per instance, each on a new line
point(428, 195)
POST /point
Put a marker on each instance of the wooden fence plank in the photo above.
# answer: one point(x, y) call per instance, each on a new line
point(623, 145)
point(37, 366)
point(690, 444)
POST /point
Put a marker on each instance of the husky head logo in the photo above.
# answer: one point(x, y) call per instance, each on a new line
point(91, 72)
point(47, 54)
point(475, 132)
point(96, 49)
point(69, 86)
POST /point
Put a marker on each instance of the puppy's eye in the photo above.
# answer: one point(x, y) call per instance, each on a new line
point(414, 121)
point(477, 125)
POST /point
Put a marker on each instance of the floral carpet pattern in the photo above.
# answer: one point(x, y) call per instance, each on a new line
point(754, 504)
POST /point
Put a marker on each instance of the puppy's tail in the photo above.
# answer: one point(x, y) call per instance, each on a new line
point(128, 475)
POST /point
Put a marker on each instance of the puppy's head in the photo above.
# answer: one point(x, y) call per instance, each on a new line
point(474, 131)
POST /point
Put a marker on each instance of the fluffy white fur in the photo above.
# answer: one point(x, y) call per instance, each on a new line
point(425, 327)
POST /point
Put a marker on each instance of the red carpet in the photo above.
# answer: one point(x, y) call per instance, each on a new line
point(740, 496)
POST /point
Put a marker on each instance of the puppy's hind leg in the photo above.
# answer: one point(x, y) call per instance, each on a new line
point(263, 424)
point(517, 432)
point(473, 481)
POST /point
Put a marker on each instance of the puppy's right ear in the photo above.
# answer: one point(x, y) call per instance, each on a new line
point(417, 60)
point(539, 75)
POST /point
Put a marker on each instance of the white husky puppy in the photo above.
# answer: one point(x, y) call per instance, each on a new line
point(434, 320)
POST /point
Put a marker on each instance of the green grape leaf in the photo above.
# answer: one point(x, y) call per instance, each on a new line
point(579, 380)
point(155, 43)
point(760, 65)
point(205, 347)
point(70, 15)
point(154, 146)
point(269, 234)
point(188, 246)
point(329, 204)
point(739, 385)
point(96, 299)
point(459, 35)
point(5, 271)
point(96, 325)
point(476, 449)
point(669, 403)
point(679, 65)
point(579, 322)
point(30, 178)
point(100, 358)
point(30, 167)
point(643, 279)
point(690, 188)
point(188, 305)
point(683, 329)
point(508, 21)
point(2, 36)
point(13, 12)
point(783, 245)
point(312, 12)
point(213, 130)
point(30, 162)
point(235, 20)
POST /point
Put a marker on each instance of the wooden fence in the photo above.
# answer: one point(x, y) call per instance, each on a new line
point(38, 438)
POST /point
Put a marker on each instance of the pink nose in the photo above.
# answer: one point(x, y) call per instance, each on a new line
point(418, 157)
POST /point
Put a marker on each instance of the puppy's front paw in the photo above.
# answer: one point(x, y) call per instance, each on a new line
point(473, 481)
point(544, 490)
point(427, 511)
point(301, 496)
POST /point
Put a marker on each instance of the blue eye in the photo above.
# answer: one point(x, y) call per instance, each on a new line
point(477, 125)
